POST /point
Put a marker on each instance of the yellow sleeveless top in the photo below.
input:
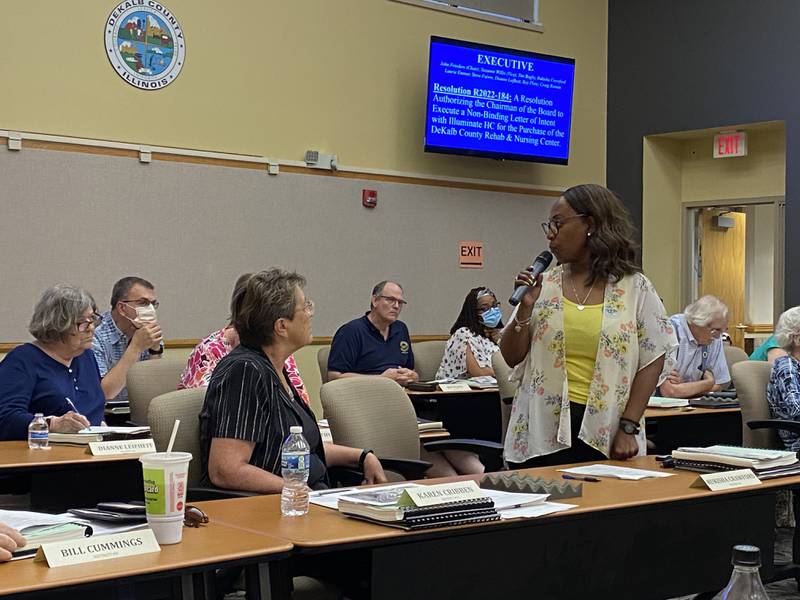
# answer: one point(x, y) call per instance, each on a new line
point(581, 337)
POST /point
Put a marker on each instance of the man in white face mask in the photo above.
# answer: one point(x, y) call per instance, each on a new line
point(128, 333)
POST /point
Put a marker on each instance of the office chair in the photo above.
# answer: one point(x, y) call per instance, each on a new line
point(186, 406)
point(733, 355)
point(322, 361)
point(427, 358)
point(760, 431)
point(375, 412)
point(150, 378)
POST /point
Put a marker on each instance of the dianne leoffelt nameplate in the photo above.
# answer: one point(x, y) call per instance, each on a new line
point(443, 493)
point(144, 446)
point(101, 547)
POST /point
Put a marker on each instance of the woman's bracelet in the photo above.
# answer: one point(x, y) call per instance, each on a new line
point(520, 324)
point(363, 457)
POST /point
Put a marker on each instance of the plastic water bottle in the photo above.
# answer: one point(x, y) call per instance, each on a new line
point(38, 433)
point(745, 583)
point(295, 465)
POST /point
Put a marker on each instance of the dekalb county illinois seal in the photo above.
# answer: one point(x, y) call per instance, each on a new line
point(145, 44)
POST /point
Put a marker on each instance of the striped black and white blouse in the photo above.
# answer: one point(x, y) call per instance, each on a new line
point(246, 401)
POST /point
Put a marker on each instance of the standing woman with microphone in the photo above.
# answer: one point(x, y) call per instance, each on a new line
point(590, 340)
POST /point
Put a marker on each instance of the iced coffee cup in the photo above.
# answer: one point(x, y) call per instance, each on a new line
point(165, 480)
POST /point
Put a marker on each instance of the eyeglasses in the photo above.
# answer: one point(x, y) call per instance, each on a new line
point(494, 304)
point(393, 300)
point(194, 517)
point(142, 303)
point(551, 227)
point(308, 307)
point(92, 321)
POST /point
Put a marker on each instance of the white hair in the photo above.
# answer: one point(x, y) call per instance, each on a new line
point(787, 331)
point(704, 310)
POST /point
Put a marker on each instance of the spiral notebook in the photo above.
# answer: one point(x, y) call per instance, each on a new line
point(393, 506)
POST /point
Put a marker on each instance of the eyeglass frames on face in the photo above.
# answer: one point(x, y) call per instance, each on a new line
point(393, 300)
point(84, 324)
point(142, 303)
point(552, 227)
point(494, 304)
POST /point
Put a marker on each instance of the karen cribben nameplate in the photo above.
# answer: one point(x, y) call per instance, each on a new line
point(102, 547)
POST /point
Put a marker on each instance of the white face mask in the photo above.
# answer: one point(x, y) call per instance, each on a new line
point(144, 314)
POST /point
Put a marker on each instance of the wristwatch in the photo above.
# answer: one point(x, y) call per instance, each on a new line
point(628, 426)
point(363, 457)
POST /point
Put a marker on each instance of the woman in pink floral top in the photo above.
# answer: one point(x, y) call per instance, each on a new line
point(212, 349)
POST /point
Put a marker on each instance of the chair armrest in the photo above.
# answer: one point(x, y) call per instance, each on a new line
point(344, 476)
point(793, 426)
point(489, 453)
point(407, 467)
point(198, 494)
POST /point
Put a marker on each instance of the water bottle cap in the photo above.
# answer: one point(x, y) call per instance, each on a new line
point(296, 429)
point(746, 556)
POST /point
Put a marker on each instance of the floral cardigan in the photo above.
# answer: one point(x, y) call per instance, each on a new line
point(635, 331)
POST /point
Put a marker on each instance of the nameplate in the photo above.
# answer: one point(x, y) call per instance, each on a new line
point(727, 480)
point(101, 547)
point(459, 386)
point(326, 435)
point(443, 493)
point(144, 446)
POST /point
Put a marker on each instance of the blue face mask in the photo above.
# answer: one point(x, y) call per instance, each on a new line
point(491, 317)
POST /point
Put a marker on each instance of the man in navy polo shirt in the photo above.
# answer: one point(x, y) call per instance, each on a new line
point(377, 343)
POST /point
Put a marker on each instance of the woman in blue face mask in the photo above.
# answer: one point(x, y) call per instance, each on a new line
point(473, 337)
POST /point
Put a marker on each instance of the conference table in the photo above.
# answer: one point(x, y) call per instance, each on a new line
point(66, 476)
point(671, 428)
point(470, 414)
point(186, 569)
point(655, 538)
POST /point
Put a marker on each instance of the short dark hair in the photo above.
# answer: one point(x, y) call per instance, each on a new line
point(611, 245)
point(469, 317)
point(123, 287)
point(238, 290)
point(267, 296)
point(378, 289)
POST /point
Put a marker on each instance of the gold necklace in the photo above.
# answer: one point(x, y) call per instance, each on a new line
point(581, 305)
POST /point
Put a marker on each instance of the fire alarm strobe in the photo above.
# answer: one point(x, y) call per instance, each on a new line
point(369, 198)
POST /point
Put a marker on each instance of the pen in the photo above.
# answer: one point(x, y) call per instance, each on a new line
point(72, 406)
point(333, 491)
point(581, 478)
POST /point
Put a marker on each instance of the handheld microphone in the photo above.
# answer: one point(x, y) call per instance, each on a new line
point(539, 265)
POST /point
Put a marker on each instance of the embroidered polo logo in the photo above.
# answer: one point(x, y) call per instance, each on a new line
point(404, 347)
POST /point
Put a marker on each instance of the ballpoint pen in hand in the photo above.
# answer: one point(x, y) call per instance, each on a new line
point(581, 478)
point(72, 406)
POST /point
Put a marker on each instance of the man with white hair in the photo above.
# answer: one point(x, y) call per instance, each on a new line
point(701, 366)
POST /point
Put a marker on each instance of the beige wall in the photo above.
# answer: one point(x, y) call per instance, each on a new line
point(680, 169)
point(278, 78)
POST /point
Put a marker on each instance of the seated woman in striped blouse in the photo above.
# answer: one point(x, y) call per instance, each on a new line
point(250, 404)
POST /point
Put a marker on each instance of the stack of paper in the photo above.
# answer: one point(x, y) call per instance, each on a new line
point(615, 472)
point(659, 402)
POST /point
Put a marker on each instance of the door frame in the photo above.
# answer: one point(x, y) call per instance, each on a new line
point(688, 281)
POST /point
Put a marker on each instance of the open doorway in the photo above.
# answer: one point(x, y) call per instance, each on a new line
point(734, 251)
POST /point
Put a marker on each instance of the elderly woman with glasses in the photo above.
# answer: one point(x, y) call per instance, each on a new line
point(56, 374)
point(589, 341)
point(783, 389)
point(701, 367)
point(250, 403)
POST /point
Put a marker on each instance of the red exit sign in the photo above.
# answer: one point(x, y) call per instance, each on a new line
point(730, 143)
